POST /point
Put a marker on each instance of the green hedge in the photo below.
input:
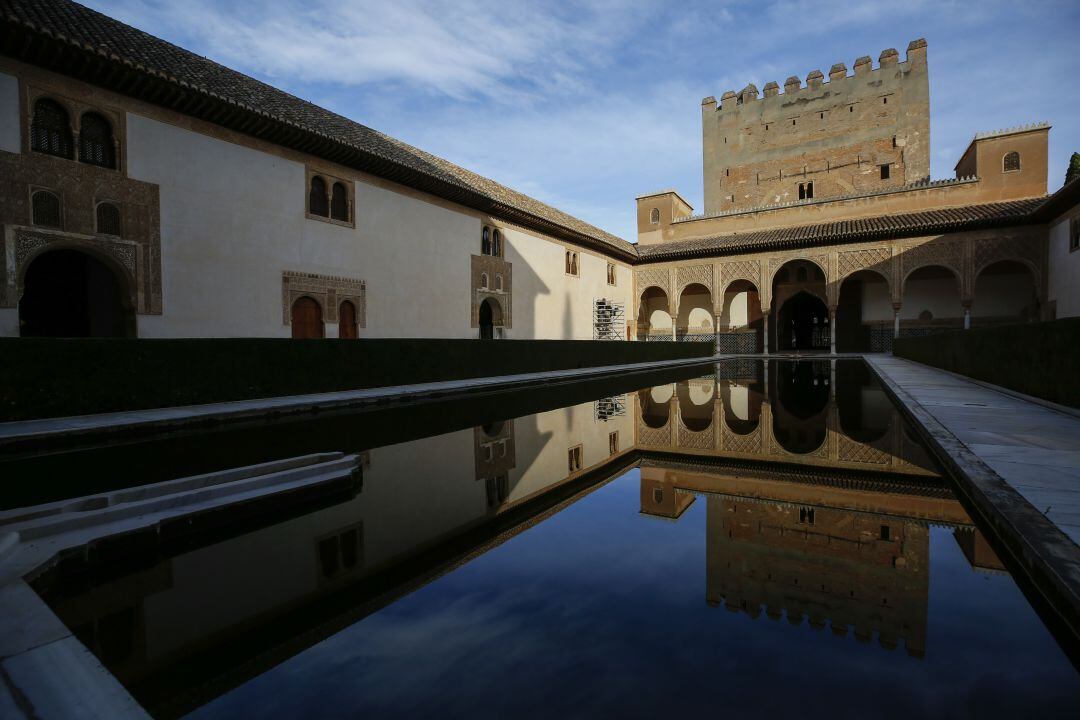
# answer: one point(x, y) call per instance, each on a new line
point(1039, 359)
point(42, 377)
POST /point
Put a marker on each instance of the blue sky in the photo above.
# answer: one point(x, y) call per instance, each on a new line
point(585, 105)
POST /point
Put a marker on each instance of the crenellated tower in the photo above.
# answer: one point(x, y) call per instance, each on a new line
point(864, 131)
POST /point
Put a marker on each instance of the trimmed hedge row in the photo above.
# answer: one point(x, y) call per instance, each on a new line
point(1039, 359)
point(47, 377)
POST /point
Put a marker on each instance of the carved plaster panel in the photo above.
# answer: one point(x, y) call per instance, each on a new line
point(700, 274)
point(328, 290)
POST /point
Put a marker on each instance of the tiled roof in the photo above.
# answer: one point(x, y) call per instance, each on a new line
point(80, 30)
point(969, 217)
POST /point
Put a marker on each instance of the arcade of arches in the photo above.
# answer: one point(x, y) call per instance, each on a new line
point(849, 298)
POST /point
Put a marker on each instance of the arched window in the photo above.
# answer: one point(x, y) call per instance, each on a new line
point(654, 216)
point(108, 219)
point(317, 204)
point(1011, 162)
point(496, 243)
point(50, 131)
point(347, 321)
point(96, 141)
point(46, 209)
point(483, 281)
point(498, 283)
point(339, 203)
point(485, 242)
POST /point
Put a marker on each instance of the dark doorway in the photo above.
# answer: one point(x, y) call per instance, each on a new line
point(487, 324)
point(71, 294)
point(307, 322)
point(803, 324)
point(800, 398)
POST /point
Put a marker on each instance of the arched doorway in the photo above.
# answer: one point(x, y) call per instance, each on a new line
point(696, 403)
point(800, 401)
point(307, 321)
point(799, 317)
point(740, 324)
point(490, 318)
point(347, 321)
point(68, 293)
point(654, 315)
point(931, 301)
point(695, 321)
point(1004, 294)
point(803, 323)
point(864, 314)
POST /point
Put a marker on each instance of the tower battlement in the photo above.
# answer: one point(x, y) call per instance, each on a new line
point(858, 130)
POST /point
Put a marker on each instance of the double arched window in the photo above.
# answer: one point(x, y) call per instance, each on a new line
point(96, 145)
point(108, 219)
point(50, 130)
point(329, 198)
point(491, 242)
point(572, 263)
point(1011, 162)
point(45, 208)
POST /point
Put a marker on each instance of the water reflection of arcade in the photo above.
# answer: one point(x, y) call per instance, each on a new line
point(820, 412)
point(851, 555)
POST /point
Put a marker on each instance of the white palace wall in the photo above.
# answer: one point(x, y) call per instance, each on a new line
point(1064, 285)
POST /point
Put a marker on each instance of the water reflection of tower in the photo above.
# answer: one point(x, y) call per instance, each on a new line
point(852, 570)
point(494, 457)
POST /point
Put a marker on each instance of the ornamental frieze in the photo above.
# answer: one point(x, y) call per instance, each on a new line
point(699, 274)
point(652, 277)
point(328, 290)
point(749, 270)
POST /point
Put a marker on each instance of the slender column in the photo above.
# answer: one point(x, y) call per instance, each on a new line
point(896, 320)
point(832, 329)
point(765, 329)
point(967, 316)
point(832, 380)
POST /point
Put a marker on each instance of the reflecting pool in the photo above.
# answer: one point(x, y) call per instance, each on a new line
point(769, 539)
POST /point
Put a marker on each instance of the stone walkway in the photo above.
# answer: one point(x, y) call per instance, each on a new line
point(14, 434)
point(1033, 447)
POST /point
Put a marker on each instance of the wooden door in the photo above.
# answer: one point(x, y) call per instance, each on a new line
point(347, 321)
point(307, 319)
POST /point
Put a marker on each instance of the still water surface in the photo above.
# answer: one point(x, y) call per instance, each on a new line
point(759, 541)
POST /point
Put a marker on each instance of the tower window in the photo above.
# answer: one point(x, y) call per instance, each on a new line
point(50, 132)
point(1011, 162)
point(108, 219)
point(45, 207)
point(885, 171)
point(654, 216)
point(806, 191)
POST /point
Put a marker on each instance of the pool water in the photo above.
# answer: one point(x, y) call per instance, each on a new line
point(762, 540)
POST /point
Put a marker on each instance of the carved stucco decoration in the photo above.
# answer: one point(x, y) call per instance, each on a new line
point(749, 444)
point(696, 440)
point(749, 270)
point(775, 448)
point(857, 452)
point(653, 437)
point(878, 259)
point(695, 274)
point(948, 254)
point(494, 267)
point(1025, 250)
point(328, 290)
point(653, 277)
point(494, 454)
point(23, 245)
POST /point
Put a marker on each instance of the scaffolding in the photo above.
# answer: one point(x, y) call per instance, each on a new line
point(606, 408)
point(609, 320)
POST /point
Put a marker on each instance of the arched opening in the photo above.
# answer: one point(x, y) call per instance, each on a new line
point(307, 320)
point(864, 409)
point(1005, 294)
point(803, 323)
point(339, 203)
point(485, 242)
point(347, 327)
point(107, 219)
point(96, 145)
point(799, 317)
point(696, 322)
point(1011, 162)
point(68, 293)
point(696, 403)
point(654, 216)
point(864, 313)
point(50, 130)
point(931, 301)
point(655, 406)
point(800, 412)
point(496, 243)
point(654, 315)
point(490, 318)
point(740, 324)
point(317, 200)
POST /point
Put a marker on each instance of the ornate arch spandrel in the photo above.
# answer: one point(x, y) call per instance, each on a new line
point(1026, 251)
point(695, 275)
point(879, 260)
point(945, 253)
point(653, 277)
